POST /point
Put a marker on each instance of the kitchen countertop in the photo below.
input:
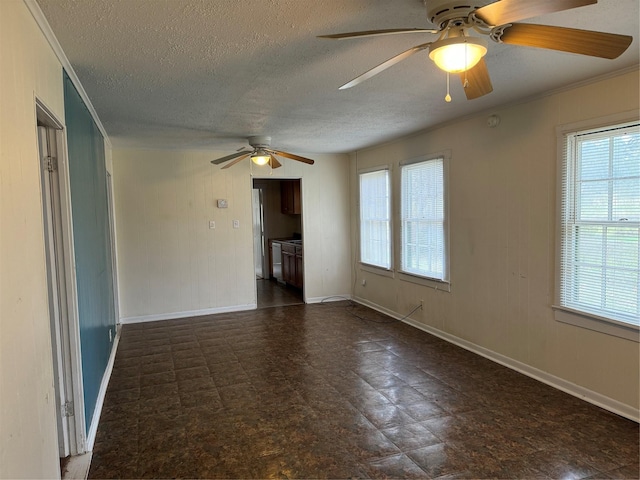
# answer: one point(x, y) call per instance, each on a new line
point(287, 240)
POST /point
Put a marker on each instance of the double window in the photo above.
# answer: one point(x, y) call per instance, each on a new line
point(423, 220)
point(599, 270)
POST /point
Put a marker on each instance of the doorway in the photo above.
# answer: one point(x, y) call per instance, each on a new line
point(60, 285)
point(274, 224)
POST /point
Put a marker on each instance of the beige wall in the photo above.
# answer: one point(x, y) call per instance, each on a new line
point(503, 239)
point(502, 212)
point(28, 69)
point(170, 262)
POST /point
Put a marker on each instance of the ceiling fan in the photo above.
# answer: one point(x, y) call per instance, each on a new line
point(261, 154)
point(455, 51)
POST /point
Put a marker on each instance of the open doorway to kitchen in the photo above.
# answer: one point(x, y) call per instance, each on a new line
point(63, 323)
point(278, 242)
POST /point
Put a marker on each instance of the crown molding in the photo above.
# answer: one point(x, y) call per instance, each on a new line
point(46, 30)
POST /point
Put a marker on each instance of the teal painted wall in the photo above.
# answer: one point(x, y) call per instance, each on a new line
point(92, 244)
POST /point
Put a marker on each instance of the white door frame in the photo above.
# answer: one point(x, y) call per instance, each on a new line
point(262, 258)
point(61, 282)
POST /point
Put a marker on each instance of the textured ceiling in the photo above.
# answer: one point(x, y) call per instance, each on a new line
point(208, 73)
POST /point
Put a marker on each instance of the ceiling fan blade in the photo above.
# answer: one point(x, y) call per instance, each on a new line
point(220, 160)
point(239, 159)
point(476, 81)
point(383, 66)
point(273, 162)
point(584, 42)
point(508, 11)
point(292, 156)
point(377, 33)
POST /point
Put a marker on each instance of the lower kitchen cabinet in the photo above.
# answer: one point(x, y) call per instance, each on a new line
point(299, 268)
point(292, 265)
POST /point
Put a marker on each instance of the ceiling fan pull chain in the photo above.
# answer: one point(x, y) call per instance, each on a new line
point(448, 97)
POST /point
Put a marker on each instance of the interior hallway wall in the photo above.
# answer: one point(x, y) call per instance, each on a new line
point(503, 239)
point(171, 263)
point(28, 69)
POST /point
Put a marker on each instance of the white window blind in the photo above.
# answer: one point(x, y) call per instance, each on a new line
point(423, 230)
point(375, 219)
point(600, 223)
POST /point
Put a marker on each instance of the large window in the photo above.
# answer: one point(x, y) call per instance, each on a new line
point(600, 219)
point(375, 219)
point(423, 219)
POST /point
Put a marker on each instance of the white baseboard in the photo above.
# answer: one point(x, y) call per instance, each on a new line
point(191, 313)
point(583, 393)
point(93, 428)
point(330, 298)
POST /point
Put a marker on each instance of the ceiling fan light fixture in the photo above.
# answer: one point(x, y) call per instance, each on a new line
point(260, 157)
point(457, 54)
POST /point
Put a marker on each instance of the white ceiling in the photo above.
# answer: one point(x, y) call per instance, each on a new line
point(208, 73)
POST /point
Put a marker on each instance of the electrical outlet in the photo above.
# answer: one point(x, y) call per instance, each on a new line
point(421, 304)
point(236, 224)
point(364, 282)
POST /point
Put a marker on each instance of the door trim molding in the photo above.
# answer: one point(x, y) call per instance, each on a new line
point(77, 423)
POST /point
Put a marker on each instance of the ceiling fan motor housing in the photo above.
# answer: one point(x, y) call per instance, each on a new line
point(259, 141)
point(441, 12)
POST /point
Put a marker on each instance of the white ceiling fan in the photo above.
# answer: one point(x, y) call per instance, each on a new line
point(455, 51)
point(261, 154)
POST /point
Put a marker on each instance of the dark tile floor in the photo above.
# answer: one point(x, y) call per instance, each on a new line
point(312, 391)
point(273, 294)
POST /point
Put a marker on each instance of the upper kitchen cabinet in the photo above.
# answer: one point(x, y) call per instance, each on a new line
point(290, 195)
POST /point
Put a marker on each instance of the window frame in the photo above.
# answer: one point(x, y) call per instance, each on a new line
point(443, 284)
point(370, 267)
point(562, 313)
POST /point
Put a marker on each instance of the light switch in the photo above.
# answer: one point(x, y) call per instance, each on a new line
point(236, 224)
point(212, 224)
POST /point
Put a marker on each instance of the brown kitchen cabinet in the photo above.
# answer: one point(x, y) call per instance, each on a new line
point(299, 267)
point(290, 196)
point(288, 263)
point(292, 265)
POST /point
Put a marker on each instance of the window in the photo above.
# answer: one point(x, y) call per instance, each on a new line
point(600, 223)
point(423, 215)
point(375, 219)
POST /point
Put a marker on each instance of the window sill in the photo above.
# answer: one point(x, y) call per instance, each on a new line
point(427, 282)
point(595, 323)
point(377, 270)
